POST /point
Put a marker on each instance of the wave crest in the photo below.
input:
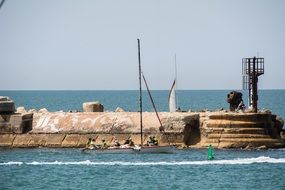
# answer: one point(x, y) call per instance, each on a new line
point(261, 159)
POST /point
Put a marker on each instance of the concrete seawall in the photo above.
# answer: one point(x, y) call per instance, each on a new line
point(221, 129)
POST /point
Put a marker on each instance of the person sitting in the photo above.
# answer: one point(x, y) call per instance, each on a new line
point(131, 142)
point(127, 141)
point(152, 141)
point(116, 143)
point(92, 144)
point(104, 144)
point(155, 141)
point(88, 144)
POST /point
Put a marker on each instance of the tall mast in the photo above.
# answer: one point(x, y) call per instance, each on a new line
point(140, 81)
point(1, 3)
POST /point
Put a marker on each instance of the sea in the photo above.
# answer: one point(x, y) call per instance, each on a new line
point(47, 168)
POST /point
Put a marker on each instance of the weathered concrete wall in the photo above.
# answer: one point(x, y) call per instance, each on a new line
point(110, 122)
point(221, 129)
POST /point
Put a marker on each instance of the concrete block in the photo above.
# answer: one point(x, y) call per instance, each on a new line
point(54, 140)
point(37, 140)
point(92, 107)
point(6, 140)
point(71, 140)
point(22, 140)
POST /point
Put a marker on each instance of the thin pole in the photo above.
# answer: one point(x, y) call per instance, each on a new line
point(1, 4)
point(151, 99)
point(140, 81)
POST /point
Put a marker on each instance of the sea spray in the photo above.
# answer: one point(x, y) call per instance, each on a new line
point(238, 161)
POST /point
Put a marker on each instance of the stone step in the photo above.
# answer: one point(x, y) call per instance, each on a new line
point(256, 144)
point(265, 140)
point(212, 140)
point(234, 124)
point(214, 136)
point(261, 131)
point(237, 131)
point(244, 136)
point(238, 136)
point(240, 116)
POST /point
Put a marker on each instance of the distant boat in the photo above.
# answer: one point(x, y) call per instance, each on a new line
point(172, 98)
point(132, 150)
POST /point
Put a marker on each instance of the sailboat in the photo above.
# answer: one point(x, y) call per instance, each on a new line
point(142, 148)
point(155, 148)
point(172, 98)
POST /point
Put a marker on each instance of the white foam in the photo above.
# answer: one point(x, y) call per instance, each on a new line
point(238, 161)
point(11, 163)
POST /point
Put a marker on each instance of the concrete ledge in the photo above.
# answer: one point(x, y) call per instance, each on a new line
point(37, 140)
point(54, 140)
point(21, 140)
point(6, 140)
point(71, 141)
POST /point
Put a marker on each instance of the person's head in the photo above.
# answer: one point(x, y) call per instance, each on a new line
point(93, 139)
point(89, 139)
point(103, 140)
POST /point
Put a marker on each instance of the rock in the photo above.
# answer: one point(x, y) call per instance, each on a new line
point(219, 110)
point(93, 107)
point(6, 105)
point(21, 110)
point(248, 147)
point(43, 110)
point(32, 111)
point(262, 147)
point(119, 109)
point(266, 111)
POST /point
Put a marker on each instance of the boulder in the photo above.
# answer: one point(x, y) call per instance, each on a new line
point(6, 105)
point(118, 109)
point(32, 111)
point(21, 110)
point(93, 107)
point(43, 110)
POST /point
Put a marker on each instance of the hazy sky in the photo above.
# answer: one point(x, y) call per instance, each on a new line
point(92, 44)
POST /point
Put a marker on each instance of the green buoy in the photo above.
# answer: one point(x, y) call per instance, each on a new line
point(210, 152)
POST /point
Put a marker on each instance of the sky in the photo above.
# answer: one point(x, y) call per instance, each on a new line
point(92, 44)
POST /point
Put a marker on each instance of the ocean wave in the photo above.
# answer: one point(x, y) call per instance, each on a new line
point(11, 163)
point(237, 161)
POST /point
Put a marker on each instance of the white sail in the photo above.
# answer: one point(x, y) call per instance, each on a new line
point(172, 99)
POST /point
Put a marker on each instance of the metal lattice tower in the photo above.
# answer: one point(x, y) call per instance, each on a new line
point(252, 68)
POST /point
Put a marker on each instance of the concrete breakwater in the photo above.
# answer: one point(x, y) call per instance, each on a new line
point(195, 129)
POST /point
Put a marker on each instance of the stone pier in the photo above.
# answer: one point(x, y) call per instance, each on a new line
point(189, 129)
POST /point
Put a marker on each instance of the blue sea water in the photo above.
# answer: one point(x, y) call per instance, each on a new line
point(186, 169)
point(195, 100)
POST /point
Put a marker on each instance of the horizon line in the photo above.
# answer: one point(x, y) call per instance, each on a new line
point(125, 89)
